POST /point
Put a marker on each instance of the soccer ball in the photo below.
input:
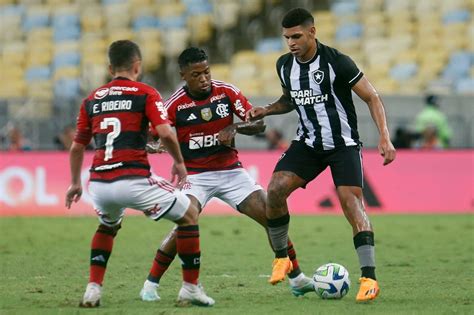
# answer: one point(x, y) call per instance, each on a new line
point(331, 281)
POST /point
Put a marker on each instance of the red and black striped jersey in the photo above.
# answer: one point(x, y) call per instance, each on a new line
point(117, 115)
point(198, 123)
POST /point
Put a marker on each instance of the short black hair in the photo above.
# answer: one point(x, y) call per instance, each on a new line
point(123, 53)
point(297, 16)
point(191, 55)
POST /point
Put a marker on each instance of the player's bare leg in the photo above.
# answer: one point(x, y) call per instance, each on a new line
point(282, 184)
point(254, 207)
point(351, 198)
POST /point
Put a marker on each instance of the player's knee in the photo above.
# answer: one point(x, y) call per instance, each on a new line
point(277, 190)
point(352, 200)
point(110, 230)
point(190, 217)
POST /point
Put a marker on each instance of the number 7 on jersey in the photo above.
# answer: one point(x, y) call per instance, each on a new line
point(109, 143)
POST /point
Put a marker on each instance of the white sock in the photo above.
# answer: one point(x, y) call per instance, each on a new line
point(148, 283)
point(298, 280)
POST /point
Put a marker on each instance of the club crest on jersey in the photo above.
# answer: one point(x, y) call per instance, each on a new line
point(206, 114)
point(222, 110)
point(318, 76)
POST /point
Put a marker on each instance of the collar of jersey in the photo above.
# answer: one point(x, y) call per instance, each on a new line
point(198, 98)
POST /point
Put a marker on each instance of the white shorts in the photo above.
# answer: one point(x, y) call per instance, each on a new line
point(230, 186)
point(154, 196)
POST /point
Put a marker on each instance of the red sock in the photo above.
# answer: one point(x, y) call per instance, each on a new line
point(292, 255)
point(187, 246)
point(101, 248)
point(160, 265)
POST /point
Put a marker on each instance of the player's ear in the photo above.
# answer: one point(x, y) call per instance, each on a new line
point(111, 70)
point(137, 67)
point(312, 30)
point(182, 75)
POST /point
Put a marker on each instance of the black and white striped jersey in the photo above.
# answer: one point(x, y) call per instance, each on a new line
point(320, 90)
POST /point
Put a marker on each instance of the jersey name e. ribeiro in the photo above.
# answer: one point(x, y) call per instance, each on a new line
point(320, 90)
point(117, 115)
point(198, 123)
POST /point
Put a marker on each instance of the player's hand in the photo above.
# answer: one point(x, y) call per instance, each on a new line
point(155, 147)
point(255, 113)
point(178, 174)
point(227, 134)
point(73, 193)
point(387, 150)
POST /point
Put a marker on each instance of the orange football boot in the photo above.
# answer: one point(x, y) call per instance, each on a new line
point(369, 289)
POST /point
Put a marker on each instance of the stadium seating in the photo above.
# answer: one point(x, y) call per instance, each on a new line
point(56, 50)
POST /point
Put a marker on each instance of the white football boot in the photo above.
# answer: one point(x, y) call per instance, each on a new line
point(149, 291)
point(193, 294)
point(301, 285)
point(92, 295)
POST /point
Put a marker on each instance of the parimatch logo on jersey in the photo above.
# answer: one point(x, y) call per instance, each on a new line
point(308, 97)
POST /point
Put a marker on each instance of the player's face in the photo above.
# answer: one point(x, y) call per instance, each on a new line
point(198, 78)
point(301, 41)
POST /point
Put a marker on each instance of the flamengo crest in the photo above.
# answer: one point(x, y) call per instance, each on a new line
point(318, 76)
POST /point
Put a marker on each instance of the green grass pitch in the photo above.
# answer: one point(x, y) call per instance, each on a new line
point(425, 265)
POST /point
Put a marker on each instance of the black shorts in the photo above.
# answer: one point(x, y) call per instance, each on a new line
point(307, 163)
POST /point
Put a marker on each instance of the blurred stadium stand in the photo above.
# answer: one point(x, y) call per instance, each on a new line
point(53, 52)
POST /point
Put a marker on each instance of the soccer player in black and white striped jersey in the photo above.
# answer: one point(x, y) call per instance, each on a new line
point(317, 82)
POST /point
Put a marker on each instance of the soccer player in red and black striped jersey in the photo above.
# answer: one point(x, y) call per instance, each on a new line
point(203, 113)
point(117, 116)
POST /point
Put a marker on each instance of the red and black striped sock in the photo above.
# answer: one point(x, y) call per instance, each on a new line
point(187, 246)
point(160, 265)
point(101, 248)
point(292, 254)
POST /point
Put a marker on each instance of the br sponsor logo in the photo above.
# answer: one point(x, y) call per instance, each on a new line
point(203, 141)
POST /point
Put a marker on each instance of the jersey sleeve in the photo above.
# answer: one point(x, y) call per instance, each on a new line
point(83, 126)
point(348, 70)
point(171, 111)
point(279, 69)
point(240, 104)
point(155, 110)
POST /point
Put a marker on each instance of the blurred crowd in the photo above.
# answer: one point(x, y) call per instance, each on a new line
point(430, 130)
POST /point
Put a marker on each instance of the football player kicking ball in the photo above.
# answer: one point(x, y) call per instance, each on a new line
point(318, 82)
point(202, 113)
point(120, 174)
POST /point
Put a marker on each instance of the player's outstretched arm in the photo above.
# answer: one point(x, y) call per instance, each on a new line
point(76, 156)
point(248, 128)
point(170, 142)
point(368, 94)
point(282, 106)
